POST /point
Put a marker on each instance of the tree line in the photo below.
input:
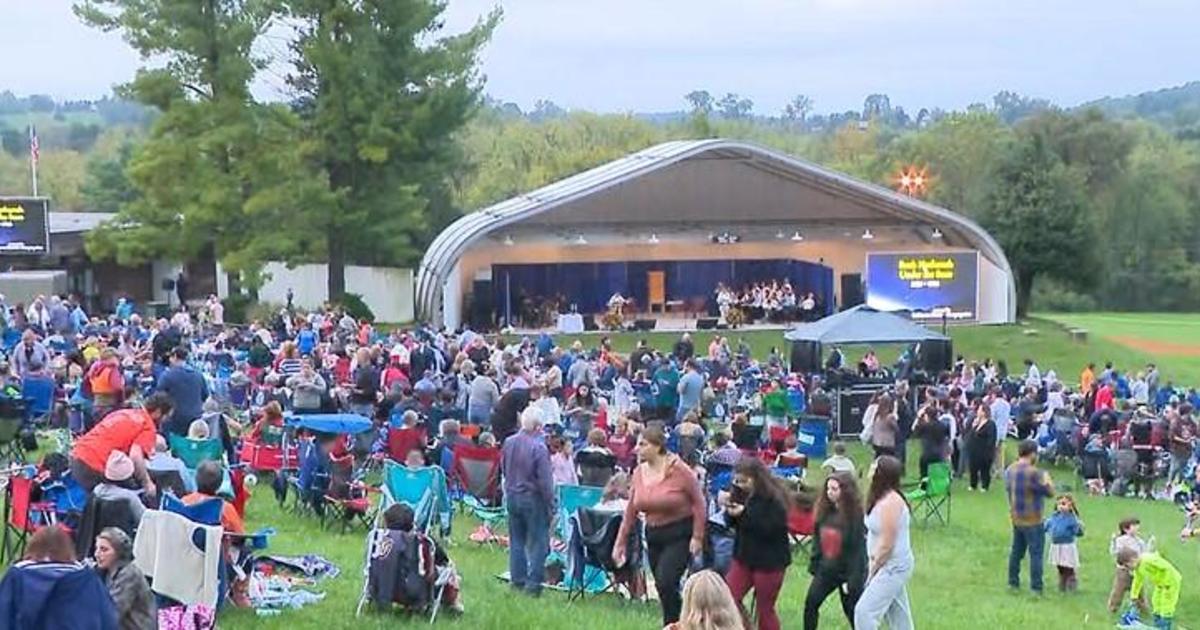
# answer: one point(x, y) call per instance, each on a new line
point(386, 138)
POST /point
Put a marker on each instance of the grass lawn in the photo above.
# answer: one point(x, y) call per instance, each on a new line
point(959, 581)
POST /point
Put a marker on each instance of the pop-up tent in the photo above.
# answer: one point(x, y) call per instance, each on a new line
point(862, 325)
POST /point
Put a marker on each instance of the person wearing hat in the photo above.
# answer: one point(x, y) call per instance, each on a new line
point(129, 431)
point(125, 581)
point(119, 484)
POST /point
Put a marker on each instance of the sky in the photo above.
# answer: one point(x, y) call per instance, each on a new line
point(644, 55)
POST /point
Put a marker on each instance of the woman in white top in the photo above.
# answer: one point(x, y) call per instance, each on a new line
point(892, 562)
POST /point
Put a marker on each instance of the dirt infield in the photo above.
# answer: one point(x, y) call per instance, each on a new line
point(1150, 346)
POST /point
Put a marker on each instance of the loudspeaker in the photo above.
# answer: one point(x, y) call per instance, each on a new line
point(851, 406)
point(706, 323)
point(806, 356)
point(589, 323)
point(852, 290)
point(935, 356)
point(482, 312)
point(645, 324)
point(168, 284)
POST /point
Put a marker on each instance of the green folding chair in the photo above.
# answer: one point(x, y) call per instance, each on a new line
point(932, 498)
point(192, 452)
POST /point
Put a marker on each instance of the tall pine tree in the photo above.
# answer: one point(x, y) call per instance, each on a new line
point(381, 92)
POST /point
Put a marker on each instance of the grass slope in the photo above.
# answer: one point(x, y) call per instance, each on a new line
point(960, 581)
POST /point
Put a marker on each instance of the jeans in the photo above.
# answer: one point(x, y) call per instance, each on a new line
point(529, 541)
point(1178, 467)
point(819, 589)
point(669, 555)
point(481, 416)
point(766, 585)
point(1033, 539)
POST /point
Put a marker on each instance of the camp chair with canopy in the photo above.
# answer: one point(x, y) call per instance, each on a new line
point(932, 494)
point(424, 490)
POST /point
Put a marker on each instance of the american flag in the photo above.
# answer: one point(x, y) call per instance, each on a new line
point(34, 149)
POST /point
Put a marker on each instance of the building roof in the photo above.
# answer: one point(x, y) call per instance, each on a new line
point(77, 222)
point(701, 194)
point(862, 324)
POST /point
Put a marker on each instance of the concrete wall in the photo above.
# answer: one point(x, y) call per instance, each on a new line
point(387, 291)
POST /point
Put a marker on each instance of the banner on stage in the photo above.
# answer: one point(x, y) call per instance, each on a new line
point(24, 225)
point(932, 286)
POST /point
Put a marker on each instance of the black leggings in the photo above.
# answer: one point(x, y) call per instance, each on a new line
point(819, 589)
point(981, 469)
point(668, 549)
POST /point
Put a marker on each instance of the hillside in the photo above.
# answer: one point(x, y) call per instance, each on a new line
point(1175, 108)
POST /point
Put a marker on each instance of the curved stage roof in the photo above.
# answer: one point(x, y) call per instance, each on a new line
point(572, 201)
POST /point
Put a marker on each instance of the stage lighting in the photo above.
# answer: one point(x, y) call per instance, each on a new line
point(579, 240)
point(867, 235)
point(779, 234)
point(797, 236)
point(653, 240)
point(937, 233)
point(508, 240)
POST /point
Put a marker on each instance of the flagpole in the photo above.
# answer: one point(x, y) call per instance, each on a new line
point(34, 149)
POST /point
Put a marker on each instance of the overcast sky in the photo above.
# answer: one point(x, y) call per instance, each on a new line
point(643, 55)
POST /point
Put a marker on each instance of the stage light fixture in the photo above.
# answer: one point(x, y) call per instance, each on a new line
point(580, 240)
point(797, 236)
point(508, 240)
point(867, 235)
point(779, 234)
point(653, 240)
point(937, 233)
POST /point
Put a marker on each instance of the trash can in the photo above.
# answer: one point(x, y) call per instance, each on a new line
point(813, 438)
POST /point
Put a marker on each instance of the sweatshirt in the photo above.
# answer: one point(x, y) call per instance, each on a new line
point(674, 498)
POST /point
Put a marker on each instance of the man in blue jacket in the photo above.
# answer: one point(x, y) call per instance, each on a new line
point(187, 389)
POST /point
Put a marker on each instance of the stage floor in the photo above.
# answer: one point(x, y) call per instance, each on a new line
point(662, 324)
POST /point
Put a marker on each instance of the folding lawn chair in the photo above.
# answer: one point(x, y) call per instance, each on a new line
point(569, 499)
point(346, 498)
point(476, 473)
point(21, 515)
point(425, 584)
point(932, 494)
point(424, 490)
point(593, 536)
point(193, 452)
point(595, 467)
point(38, 392)
point(801, 527)
point(11, 450)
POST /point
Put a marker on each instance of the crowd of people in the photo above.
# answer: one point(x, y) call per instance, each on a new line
point(682, 436)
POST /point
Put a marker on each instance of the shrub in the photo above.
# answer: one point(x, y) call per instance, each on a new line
point(237, 307)
point(355, 306)
point(1052, 297)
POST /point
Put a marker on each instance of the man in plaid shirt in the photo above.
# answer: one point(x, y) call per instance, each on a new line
point(1027, 487)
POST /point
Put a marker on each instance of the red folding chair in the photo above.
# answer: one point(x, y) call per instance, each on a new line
point(801, 527)
point(21, 516)
point(401, 441)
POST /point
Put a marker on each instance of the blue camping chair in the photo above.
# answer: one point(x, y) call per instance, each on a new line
point(571, 498)
point(38, 392)
point(424, 490)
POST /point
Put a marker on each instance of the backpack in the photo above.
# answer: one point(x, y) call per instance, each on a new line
point(868, 424)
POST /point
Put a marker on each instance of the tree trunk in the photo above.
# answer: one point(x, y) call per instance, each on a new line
point(337, 266)
point(1024, 292)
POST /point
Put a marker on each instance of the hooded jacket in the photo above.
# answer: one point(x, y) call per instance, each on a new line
point(52, 596)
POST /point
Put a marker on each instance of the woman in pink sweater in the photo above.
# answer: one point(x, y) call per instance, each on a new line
point(665, 491)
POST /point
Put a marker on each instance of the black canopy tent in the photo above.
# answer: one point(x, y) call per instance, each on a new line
point(863, 325)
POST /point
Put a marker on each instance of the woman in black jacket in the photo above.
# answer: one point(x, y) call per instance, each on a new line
point(757, 507)
point(839, 555)
point(981, 446)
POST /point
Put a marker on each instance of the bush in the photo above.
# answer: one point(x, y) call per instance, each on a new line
point(237, 307)
point(355, 307)
point(263, 312)
point(1052, 297)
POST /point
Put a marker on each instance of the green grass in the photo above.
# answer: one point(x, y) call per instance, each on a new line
point(1178, 329)
point(960, 580)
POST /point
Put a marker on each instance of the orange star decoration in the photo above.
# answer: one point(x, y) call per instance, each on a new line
point(913, 181)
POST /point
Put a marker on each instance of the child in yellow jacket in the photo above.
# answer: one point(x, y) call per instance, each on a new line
point(1151, 568)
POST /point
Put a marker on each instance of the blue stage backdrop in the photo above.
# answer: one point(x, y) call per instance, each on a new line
point(590, 285)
